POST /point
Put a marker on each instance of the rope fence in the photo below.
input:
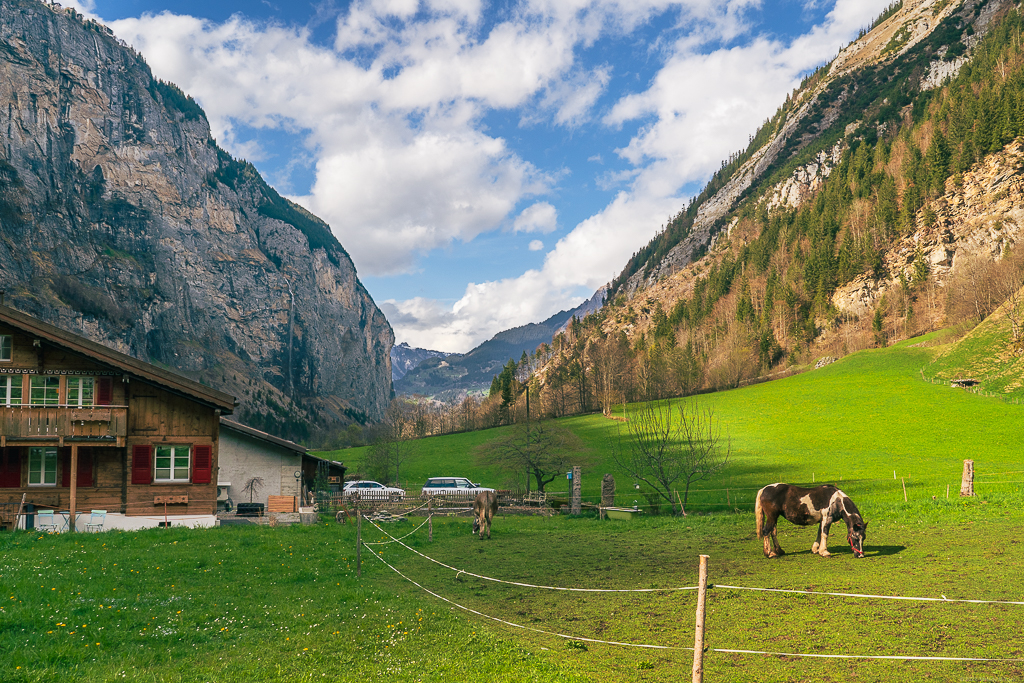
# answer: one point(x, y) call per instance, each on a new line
point(698, 649)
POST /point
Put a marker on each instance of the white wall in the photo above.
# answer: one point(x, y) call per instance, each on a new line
point(242, 457)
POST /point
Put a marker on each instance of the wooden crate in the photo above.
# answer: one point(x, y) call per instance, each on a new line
point(281, 504)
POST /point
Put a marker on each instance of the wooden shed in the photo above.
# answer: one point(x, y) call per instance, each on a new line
point(85, 427)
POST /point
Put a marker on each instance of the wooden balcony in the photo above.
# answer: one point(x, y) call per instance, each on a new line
point(57, 423)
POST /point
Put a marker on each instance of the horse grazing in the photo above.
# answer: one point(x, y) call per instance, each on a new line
point(484, 507)
point(823, 506)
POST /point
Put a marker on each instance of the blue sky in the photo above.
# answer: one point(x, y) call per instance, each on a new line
point(486, 164)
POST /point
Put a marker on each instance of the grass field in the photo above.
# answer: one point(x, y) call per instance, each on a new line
point(276, 604)
point(854, 423)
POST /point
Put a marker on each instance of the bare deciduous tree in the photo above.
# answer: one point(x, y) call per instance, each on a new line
point(667, 444)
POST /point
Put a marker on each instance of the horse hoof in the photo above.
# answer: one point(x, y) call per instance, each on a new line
point(825, 553)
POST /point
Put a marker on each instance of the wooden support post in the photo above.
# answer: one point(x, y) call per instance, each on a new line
point(698, 637)
point(967, 481)
point(359, 543)
point(577, 490)
point(904, 480)
point(430, 518)
point(73, 505)
point(17, 517)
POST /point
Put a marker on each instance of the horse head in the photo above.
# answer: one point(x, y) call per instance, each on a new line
point(476, 525)
point(857, 531)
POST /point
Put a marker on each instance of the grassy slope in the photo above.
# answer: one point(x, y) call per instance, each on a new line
point(853, 423)
point(984, 354)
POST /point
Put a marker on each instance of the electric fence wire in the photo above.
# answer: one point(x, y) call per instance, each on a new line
point(683, 648)
point(531, 585)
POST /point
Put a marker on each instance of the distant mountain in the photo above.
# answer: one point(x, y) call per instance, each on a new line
point(404, 358)
point(458, 374)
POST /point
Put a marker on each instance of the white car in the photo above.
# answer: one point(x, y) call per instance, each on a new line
point(458, 485)
point(371, 490)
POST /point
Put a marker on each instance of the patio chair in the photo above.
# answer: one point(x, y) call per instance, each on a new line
point(46, 521)
point(96, 520)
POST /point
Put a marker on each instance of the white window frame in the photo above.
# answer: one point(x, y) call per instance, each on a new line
point(6, 348)
point(80, 384)
point(174, 451)
point(32, 389)
point(9, 386)
point(42, 465)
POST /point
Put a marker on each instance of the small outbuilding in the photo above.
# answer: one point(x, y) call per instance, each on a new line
point(287, 470)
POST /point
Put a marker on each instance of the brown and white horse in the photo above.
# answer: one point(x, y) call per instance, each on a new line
point(485, 506)
point(823, 506)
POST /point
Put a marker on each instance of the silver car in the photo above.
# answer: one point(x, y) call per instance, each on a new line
point(372, 490)
point(449, 485)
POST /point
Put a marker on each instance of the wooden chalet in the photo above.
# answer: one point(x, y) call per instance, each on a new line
point(85, 427)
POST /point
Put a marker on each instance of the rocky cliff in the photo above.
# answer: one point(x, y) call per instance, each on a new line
point(124, 221)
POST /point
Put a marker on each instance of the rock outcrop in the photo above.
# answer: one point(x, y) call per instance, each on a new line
point(124, 221)
point(980, 216)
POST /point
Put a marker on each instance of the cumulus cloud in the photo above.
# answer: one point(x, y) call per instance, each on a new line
point(540, 217)
point(392, 114)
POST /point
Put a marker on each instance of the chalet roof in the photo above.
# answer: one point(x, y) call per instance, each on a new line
point(262, 436)
point(132, 366)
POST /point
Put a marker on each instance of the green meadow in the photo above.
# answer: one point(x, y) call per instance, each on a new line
point(868, 423)
point(286, 604)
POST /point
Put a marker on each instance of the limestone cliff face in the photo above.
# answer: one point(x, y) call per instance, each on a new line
point(123, 220)
point(980, 216)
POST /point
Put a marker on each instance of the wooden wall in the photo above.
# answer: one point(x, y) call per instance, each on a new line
point(157, 416)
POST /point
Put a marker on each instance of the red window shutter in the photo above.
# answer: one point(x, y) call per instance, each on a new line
point(84, 468)
point(142, 464)
point(10, 468)
point(104, 391)
point(65, 467)
point(202, 465)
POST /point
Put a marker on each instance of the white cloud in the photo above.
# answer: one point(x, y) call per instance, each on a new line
point(536, 245)
point(540, 217)
point(705, 107)
point(392, 113)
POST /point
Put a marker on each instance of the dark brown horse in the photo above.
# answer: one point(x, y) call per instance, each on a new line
point(823, 506)
point(484, 507)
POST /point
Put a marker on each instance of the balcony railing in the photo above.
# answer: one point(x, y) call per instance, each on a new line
point(63, 422)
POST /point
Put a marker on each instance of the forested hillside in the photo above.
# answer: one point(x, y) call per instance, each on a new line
point(882, 200)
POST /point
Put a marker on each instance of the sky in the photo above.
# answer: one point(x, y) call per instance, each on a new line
point(485, 164)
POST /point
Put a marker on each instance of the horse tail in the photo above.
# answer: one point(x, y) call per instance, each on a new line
point(759, 514)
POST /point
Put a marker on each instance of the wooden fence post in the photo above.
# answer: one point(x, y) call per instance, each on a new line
point(359, 543)
point(967, 481)
point(904, 480)
point(430, 518)
point(698, 639)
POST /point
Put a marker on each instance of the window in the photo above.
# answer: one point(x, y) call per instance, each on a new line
point(81, 391)
point(172, 463)
point(44, 390)
point(42, 467)
point(6, 347)
point(10, 390)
